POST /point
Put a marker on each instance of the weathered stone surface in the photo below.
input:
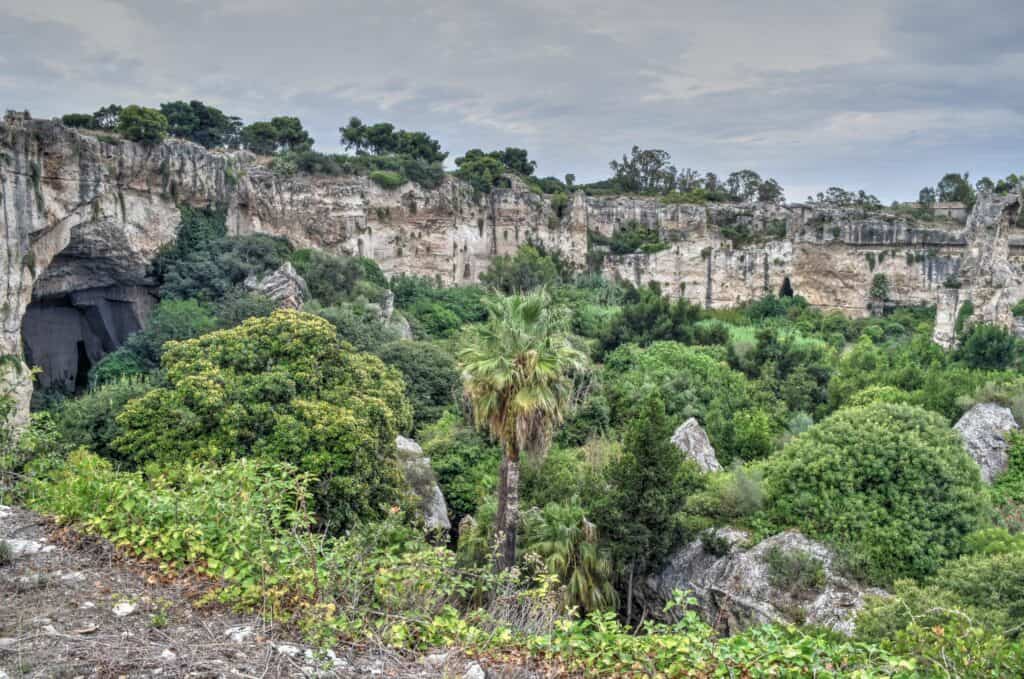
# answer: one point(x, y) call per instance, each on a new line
point(983, 429)
point(738, 589)
point(691, 438)
point(421, 479)
point(82, 213)
point(284, 285)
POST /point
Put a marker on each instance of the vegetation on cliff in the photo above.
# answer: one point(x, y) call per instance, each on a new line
point(255, 447)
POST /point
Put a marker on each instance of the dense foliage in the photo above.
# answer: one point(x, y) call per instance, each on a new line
point(284, 388)
point(889, 482)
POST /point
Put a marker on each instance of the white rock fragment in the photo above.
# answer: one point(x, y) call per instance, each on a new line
point(238, 634)
point(168, 655)
point(125, 608)
point(474, 671)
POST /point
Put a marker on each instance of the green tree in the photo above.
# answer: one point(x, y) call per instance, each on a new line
point(107, 117)
point(646, 487)
point(144, 125)
point(431, 377)
point(517, 374)
point(480, 170)
point(529, 268)
point(77, 119)
point(281, 387)
point(260, 137)
point(989, 347)
point(889, 483)
point(202, 124)
point(644, 171)
point(955, 188)
point(383, 139)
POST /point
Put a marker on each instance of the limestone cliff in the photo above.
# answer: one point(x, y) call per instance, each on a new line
point(83, 215)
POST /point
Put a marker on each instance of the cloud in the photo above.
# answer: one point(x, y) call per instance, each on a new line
point(878, 95)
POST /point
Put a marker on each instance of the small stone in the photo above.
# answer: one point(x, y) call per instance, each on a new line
point(168, 655)
point(124, 608)
point(238, 634)
point(87, 604)
point(49, 629)
point(474, 671)
point(74, 576)
point(436, 659)
point(7, 642)
point(287, 649)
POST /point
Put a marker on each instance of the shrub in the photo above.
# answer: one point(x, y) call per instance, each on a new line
point(879, 287)
point(1018, 309)
point(144, 125)
point(357, 325)
point(286, 388)
point(988, 347)
point(387, 180)
point(879, 392)
point(334, 279)
point(466, 464)
point(528, 269)
point(889, 483)
point(213, 269)
point(431, 377)
point(91, 419)
point(794, 570)
point(730, 496)
point(693, 385)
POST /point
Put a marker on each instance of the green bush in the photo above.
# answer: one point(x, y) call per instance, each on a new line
point(334, 279)
point(692, 383)
point(890, 484)
point(794, 570)
point(90, 420)
point(431, 377)
point(212, 270)
point(466, 464)
point(144, 125)
point(286, 388)
point(529, 268)
point(357, 325)
point(387, 180)
point(989, 347)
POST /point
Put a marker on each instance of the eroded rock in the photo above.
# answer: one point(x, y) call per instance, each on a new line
point(786, 578)
point(284, 285)
point(983, 429)
point(691, 438)
point(420, 477)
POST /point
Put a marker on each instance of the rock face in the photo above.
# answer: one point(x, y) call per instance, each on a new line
point(786, 578)
point(88, 213)
point(691, 438)
point(421, 479)
point(285, 286)
point(983, 429)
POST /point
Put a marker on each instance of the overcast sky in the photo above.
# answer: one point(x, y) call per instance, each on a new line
point(885, 96)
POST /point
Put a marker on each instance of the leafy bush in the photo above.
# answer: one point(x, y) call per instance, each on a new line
point(794, 570)
point(90, 419)
point(286, 388)
point(1018, 309)
point(431, 377)
point(529, 268)
point(334, 279)
point(466, 464)
point(437, 311)
point(213, 269)
point(989, 347)
point(144, 125)
point(692, 383)
point(730, 496)
point(632, 237)
point(387, 179)
point(883, 393)
point(356, 324)
point(890, 483)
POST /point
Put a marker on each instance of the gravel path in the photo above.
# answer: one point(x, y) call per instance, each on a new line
point(71, 607)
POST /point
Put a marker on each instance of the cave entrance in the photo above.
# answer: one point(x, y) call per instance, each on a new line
point(787, 289)
point(83, 367)
point(65, 335)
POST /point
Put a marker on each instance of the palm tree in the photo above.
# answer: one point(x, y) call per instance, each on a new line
point(517, 374)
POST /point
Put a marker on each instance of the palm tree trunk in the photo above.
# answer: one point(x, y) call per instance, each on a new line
point(507, 520)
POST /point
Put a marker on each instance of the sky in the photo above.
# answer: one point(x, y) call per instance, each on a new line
point(885, 96)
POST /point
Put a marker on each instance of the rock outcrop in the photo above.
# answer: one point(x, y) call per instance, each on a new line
point(983, 429)
point(691, 438)
point(420, 477)
point(786, 578)
point(87, 212)
point(284, 285)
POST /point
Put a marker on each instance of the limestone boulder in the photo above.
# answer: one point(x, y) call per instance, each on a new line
point(420, 477)
point(691, 438)
point(786, 578)
point(983, 429)
point(284, 285)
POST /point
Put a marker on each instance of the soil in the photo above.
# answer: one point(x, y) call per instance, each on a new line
point(74, 607)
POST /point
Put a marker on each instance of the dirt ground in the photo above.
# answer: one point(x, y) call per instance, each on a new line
point(71, 607)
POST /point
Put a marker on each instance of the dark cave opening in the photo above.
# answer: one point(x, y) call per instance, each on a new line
point(787, 289)
point(65, 336)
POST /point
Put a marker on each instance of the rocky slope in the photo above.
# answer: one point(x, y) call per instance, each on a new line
point(83, 216)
